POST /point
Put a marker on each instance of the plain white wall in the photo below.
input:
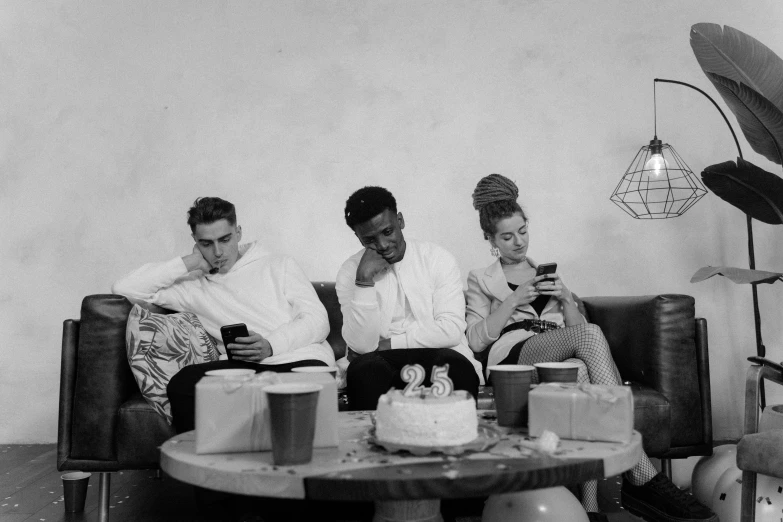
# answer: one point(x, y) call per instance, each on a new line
point(116, 115)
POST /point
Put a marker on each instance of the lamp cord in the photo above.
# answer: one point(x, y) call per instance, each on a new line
point(655, 111)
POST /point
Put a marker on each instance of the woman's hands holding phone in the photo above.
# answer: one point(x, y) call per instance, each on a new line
point(527, 292)
point(552, 285)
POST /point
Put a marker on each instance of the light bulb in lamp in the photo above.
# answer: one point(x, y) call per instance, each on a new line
point(656, 167)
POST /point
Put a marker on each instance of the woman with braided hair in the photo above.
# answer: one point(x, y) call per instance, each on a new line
point(507, 304)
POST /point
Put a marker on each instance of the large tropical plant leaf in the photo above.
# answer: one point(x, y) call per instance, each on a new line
point(737, 275)
point(760, 120)
point(751, 189)
point(739, 57)
point(749, 77)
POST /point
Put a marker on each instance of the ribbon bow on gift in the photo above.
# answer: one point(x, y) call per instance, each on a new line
point(598, 392)
point(235, 382)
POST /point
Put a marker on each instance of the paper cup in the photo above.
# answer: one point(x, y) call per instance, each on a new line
point(75, 490)
point(231, 372)
point(511, 383)
point(316, 369)
point(557, 371)
point(292, 408)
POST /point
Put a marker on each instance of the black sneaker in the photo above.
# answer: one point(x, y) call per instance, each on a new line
point(660, 500)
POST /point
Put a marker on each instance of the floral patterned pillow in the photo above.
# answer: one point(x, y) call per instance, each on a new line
point(159, 346)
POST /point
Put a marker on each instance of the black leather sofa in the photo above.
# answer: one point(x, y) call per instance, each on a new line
point(105, 425)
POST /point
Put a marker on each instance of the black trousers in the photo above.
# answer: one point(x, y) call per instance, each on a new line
point(372, 374)
point(182, 387)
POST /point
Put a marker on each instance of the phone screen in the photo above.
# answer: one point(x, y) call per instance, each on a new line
point(230, 332)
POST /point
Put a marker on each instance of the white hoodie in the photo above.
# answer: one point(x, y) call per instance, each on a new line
point(267, 292)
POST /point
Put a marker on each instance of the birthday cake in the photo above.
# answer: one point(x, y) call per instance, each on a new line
point(425, 419)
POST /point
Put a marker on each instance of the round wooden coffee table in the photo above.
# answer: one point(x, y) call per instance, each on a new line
point(403, 486)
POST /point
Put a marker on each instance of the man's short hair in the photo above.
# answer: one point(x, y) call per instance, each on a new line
point(208, 210)
point(366, 203)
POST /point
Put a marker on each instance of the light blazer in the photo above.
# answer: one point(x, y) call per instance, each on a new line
point(487, 289)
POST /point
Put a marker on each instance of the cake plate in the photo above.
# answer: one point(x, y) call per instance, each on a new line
point(488, 436)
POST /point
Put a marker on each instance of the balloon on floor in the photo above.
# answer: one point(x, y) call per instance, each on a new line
point(708, 470)
point(682, 471)
point(770, 491)
point(537, 505)
point(727, 495)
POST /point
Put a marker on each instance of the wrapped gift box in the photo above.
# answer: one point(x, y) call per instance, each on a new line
point(232, 414)
point(583, 412)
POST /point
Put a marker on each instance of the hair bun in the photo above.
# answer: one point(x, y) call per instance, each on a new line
point(494, 187)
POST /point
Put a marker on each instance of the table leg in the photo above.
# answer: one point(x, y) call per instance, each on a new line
point(407, 510)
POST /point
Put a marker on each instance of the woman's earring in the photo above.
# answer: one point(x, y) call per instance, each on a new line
point(494, 251)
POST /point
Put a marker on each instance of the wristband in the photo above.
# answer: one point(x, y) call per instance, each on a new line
point(364, 284)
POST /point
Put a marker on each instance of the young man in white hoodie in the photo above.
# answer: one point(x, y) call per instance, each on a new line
point(223, 283)
point(402, 303)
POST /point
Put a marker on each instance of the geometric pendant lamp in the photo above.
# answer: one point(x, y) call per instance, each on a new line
point(658, 184)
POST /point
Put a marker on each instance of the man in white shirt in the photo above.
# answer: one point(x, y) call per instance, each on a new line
point(402, 303)
point(223, 283)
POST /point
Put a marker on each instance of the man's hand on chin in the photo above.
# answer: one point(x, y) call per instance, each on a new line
point(195, 261)
point(371, 264)
point(253, 348)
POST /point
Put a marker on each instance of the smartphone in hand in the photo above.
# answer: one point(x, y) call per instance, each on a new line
point(546, 269)
point(230, 332)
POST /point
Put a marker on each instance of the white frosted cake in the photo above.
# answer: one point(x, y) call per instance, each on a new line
point(426, 420)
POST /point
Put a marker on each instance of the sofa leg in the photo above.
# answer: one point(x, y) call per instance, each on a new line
point(105, 490)
point(666, 468)
point(748, 510)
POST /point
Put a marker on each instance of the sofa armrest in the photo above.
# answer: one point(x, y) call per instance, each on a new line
point(103, 379)
point(67, 382)
point(653, 341)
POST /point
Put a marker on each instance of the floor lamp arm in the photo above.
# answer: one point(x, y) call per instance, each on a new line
point(728, 124)
point(760, 349)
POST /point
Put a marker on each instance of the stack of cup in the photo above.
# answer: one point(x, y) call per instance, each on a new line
point(511, 383)
point(292, 409)
point(557, 371)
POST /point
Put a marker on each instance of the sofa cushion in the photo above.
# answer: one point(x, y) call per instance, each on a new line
point(159, 346)
point(328, 295)
point(140, 431)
